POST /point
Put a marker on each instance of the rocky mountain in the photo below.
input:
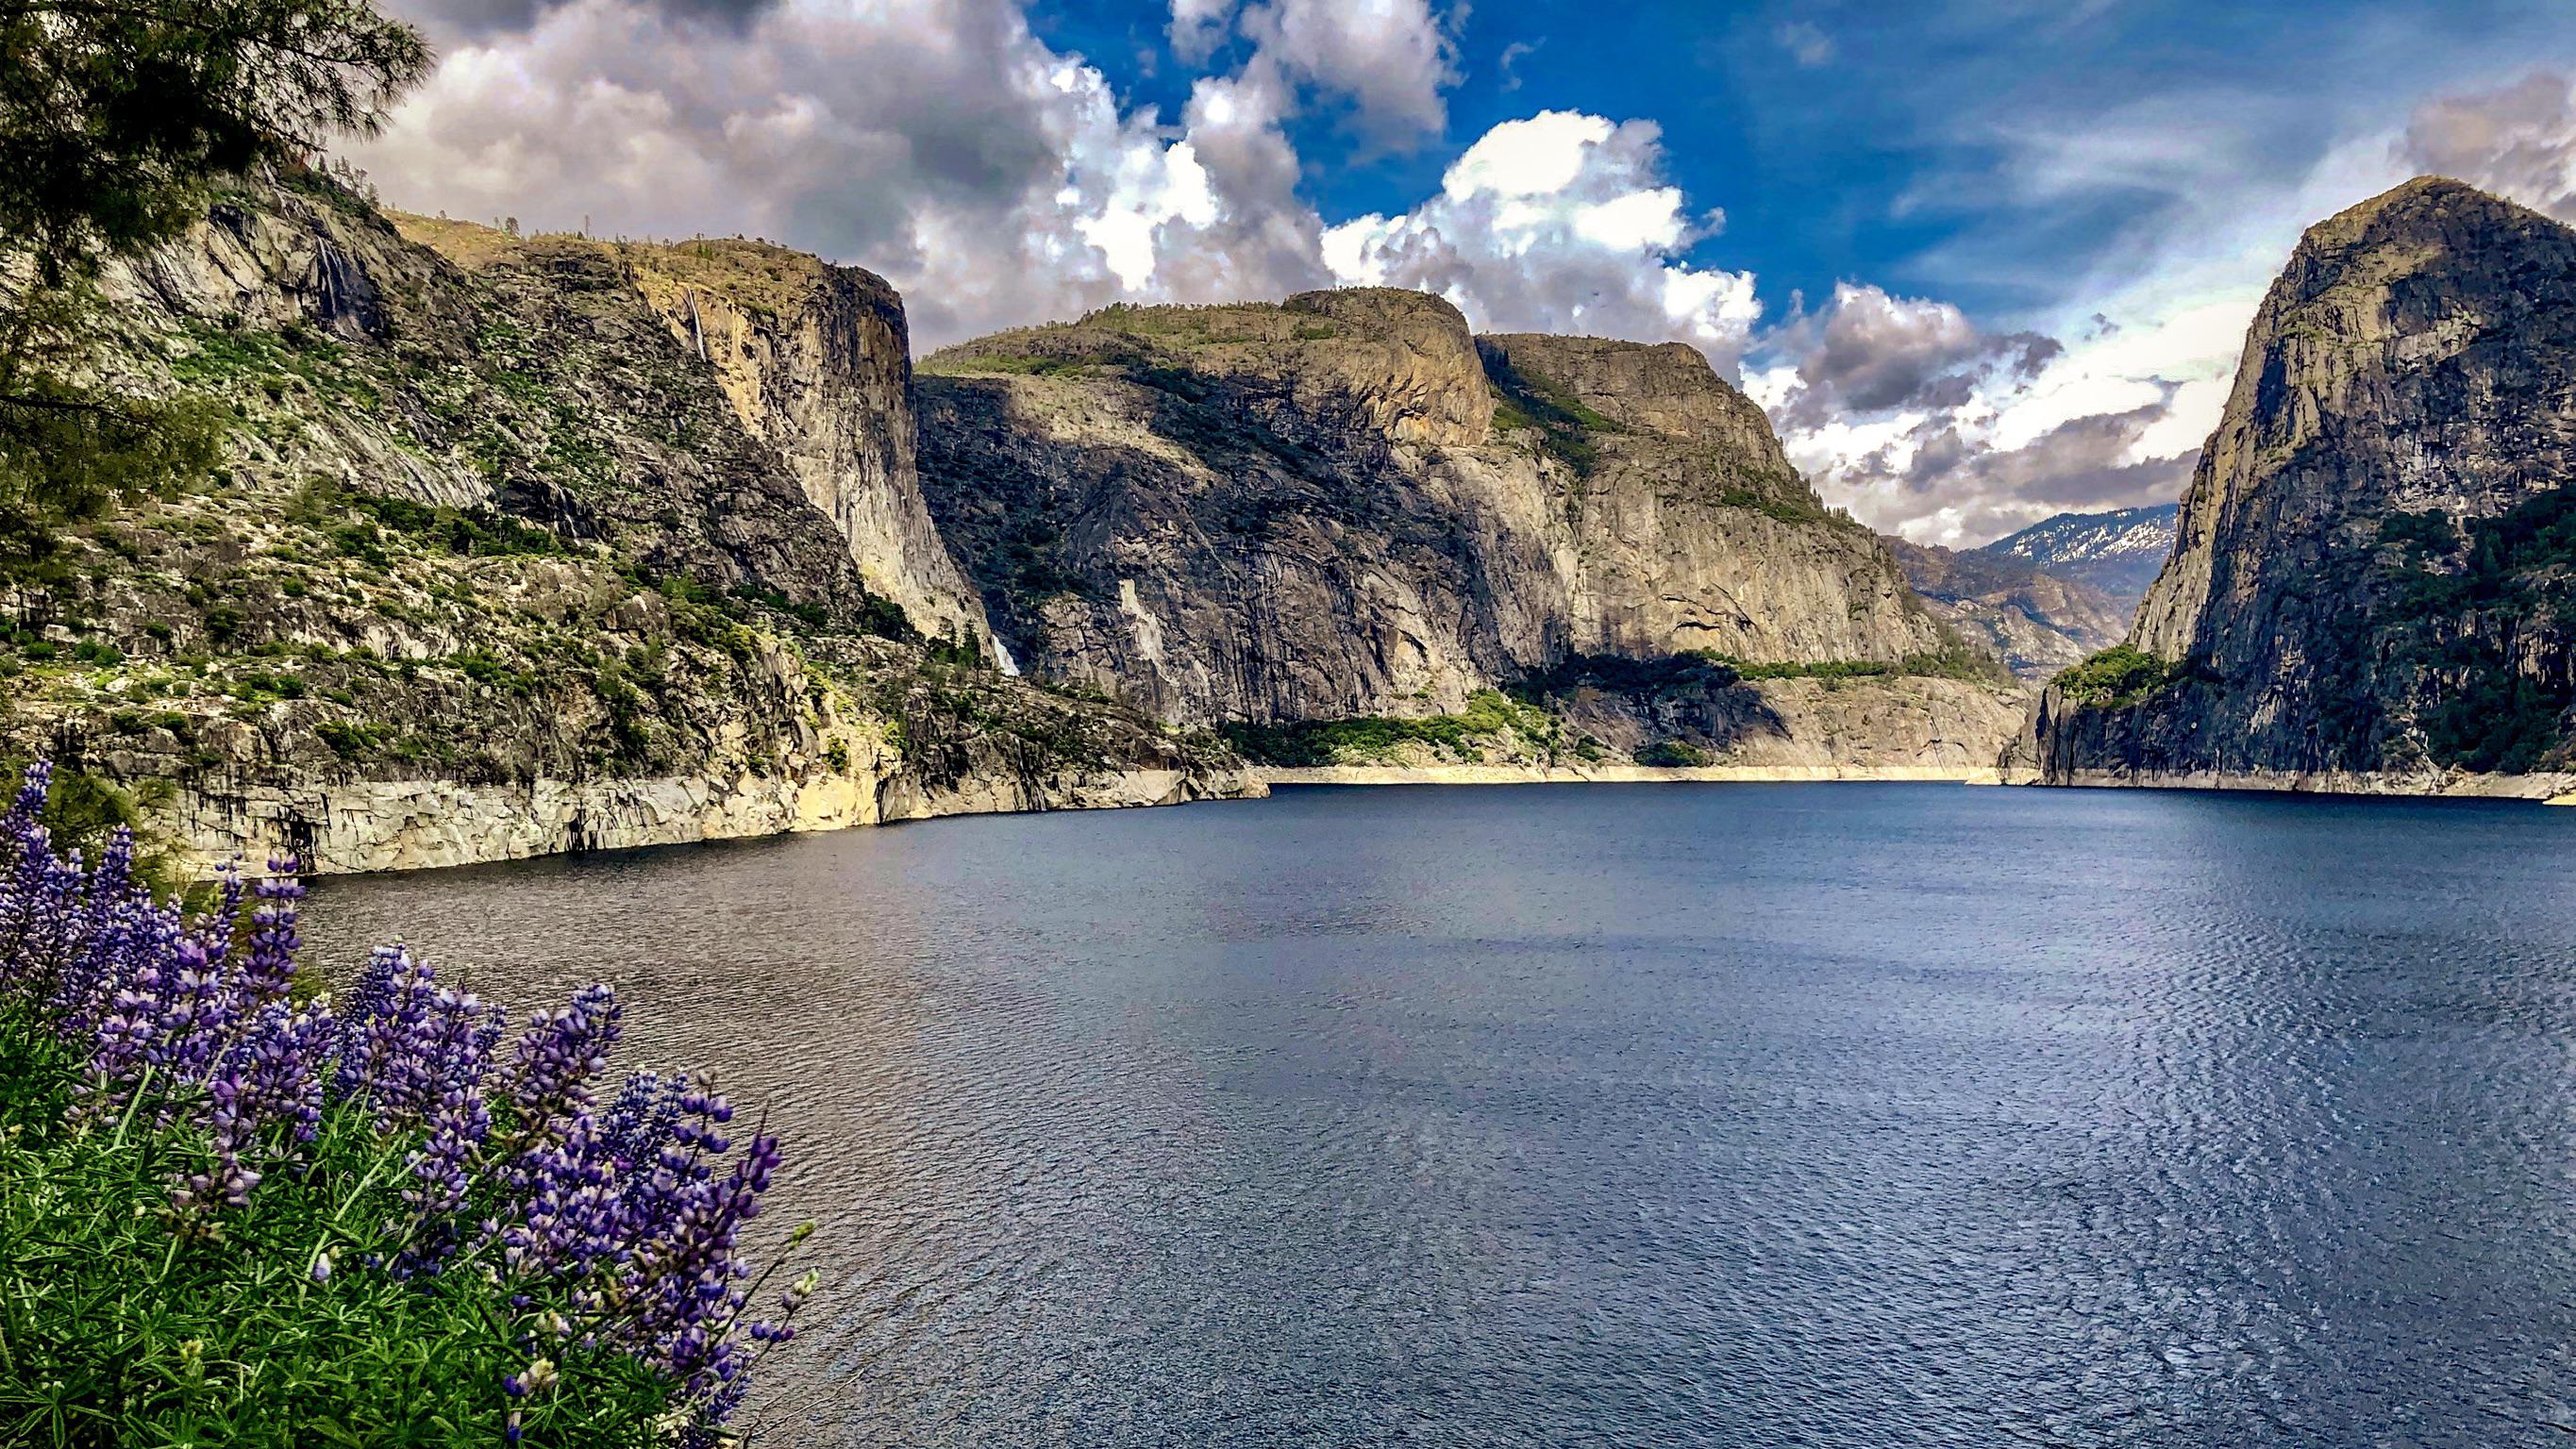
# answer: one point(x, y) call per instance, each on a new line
point(2374, 583)
point(2117, 553)
point(524, 545)
point(537, 543)
point(1346, 506)
point(2039, 622)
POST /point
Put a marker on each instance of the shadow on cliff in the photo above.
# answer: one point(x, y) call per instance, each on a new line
point(1633, 704)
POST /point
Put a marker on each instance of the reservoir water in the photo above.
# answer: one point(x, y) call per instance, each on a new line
point(1847, 1115)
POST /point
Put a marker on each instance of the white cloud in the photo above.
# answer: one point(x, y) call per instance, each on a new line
point(1536, 157)
point(1391, 59)
point(1560, 222)
point(993, 179)
point(2518, 141)
point(1199, 27)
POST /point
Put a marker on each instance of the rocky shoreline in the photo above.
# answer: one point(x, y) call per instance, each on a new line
point(366, 826)
point(2551, 789)
point(1622, 774)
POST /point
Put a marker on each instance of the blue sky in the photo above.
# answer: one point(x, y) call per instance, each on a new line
point(1885, 153)
point(1980, 261)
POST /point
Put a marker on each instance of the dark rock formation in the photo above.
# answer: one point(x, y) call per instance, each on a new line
point(2375, 575)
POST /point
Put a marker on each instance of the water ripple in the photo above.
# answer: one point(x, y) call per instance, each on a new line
point(1655, 1115)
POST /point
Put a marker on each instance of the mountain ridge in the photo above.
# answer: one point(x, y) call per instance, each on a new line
point(1345, 505)
point(2040, 621)
point(544, 543)
point(2118, 551)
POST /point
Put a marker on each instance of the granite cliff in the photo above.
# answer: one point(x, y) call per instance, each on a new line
point(538, 543)
point(2374, 580)
point(1346, 507)
point(507, 557)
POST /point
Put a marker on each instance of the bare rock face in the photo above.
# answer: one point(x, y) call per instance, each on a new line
point(1347, 505)
point(1690, 530)
point(817, 362)
point(1405, 357)
point(2372, 576)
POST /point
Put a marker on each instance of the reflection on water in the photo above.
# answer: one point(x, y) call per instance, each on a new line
point(1625, 1115)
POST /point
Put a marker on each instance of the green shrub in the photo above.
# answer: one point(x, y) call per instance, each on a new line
point(1673, 754)
point(348, 741)
point(2117, 678)
point(1490, 716)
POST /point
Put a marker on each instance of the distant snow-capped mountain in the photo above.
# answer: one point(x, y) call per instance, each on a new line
point(2117, 552)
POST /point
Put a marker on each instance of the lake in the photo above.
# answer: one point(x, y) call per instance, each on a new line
point(1844, 1115)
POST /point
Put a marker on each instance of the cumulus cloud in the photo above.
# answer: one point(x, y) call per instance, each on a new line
point(1199, 27)
point(998, 180)
point(2517, 141)
point(1563, 222)
point(1870, 352)
point(1951, 481)
point(1391, 59)
point(993, 179)
point(1922, 423)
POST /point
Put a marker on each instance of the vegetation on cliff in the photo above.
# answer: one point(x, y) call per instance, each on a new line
point(435, 548)
point(112, 123)
point(233, 1212)
point(1681, 709)
point(2459, 611)
point(2116, 678)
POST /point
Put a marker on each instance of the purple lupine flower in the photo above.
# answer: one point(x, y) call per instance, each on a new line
point(124, 939)
point(557, 1056)
point(685, 1277)
point(442, 1180)
point(279, 1061)
point(568, 1217)
point(217, 925)
point(646, 1110)
point(31, 863)
point(413, 1043)
point(49, 914)
point(628, 1217)
point(365, 1043)
point(273, 941)
point(196, 1008)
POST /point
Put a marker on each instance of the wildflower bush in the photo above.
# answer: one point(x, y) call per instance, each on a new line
point(232, 1217)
